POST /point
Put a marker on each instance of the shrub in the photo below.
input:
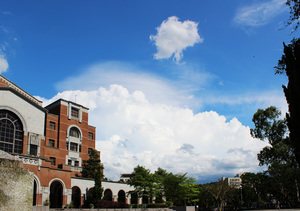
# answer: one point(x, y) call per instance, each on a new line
point(157, 205)
point(169, 203)
point(110, 204)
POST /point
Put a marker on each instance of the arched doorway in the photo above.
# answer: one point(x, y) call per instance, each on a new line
point(121, 196)
point(134, 198)
point(56, 195)
point(34, 192)
point(76, 197)
point(107, 195)
point(145, 200)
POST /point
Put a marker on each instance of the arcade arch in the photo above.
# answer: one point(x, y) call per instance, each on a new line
point(57, 188)
point(76, 196)
point(121, 196)
point(108, 195)
point(36, 189)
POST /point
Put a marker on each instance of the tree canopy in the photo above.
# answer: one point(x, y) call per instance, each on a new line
point(176, 188)
point(269, 126)
point(219, 191)
point(294, 12)
point(290, 65)
point(92, 168)
point(281, 178)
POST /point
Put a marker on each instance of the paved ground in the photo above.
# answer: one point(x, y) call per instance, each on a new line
point(280, 209)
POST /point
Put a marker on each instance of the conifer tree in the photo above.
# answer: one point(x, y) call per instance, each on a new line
point(92, 168)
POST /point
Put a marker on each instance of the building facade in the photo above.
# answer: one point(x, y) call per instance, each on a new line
point(52, 141)
point(235, 182)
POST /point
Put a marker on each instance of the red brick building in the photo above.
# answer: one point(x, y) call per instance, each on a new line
point(52, 141)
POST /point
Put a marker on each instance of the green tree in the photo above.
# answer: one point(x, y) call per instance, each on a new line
point(92, 168)
point(220, 191)
point(290, 65)
point(256, 187)
point(142, 181)
point(294, 12)
point(278, 156)
point(159, 176)
point(269, 126)
point(172, 186)
point(206, 201)
point(190, 191)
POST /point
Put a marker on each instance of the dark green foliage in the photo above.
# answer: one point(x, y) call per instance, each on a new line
point(157, 205)
point(110, 204)
point(220, 192)
point(281, 178)
point(92, 168)
point(290, 65)
point(174, 187)
point(142, 181)
point(294, 12)
point(206, 201)
point(269, 127)
point(255, 188)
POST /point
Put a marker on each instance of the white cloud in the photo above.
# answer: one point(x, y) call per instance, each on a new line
point(260, 99)
point(174, 36)
point(144, 119)
point(3, 64)
point(157, 89)
point(259, 14)
point(132, 130)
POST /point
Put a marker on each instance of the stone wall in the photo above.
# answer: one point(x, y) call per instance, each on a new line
point(112, 209)
point(16, 184)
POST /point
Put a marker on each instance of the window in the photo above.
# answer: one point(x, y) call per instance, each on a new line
point(76, 163)
point(52, 125)
point(52, 159)
point(11, 132)
point(69, 162)
point(79, 147)
point(51, 143)
point(74, 132)
point(90, 151)
point(73, 146)
point(33, 149)
point(91, 136)
point(67, 145)
point(75, 112)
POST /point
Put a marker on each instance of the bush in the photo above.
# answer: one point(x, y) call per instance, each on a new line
point(157, 205)
point(110, 204)
point(169, 203)
point(178, 204)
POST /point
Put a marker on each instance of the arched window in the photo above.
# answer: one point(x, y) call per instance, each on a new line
point(121, 196)
point(107, 195)
point(74, 132)
point(11, 132)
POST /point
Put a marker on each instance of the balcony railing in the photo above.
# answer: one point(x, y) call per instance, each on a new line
point(29, 160)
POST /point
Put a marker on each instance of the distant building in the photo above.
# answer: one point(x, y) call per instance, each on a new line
point(52, 142)
point(235, 182)
point(125, 177)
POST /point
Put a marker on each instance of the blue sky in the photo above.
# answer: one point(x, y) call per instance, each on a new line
point(154, 74)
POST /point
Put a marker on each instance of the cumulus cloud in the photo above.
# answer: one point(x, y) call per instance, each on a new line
point(174, 36)
point(131, 130)
point(133, 77)
point(259, 14)
point(3, 64)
